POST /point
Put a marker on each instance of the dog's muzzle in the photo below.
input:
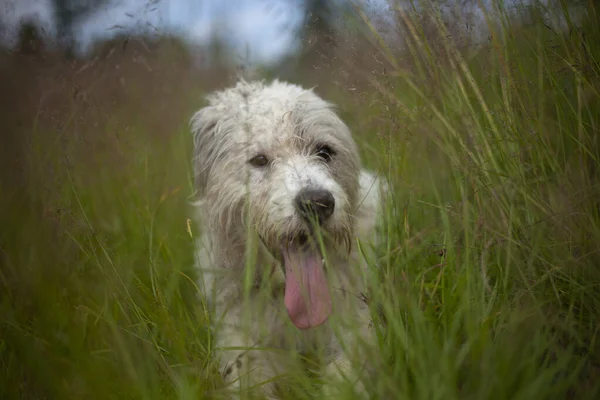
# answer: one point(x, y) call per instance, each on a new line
point(315, 205)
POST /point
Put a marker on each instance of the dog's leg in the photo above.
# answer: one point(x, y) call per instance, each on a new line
point(246, 369)
point(246, 366)
point(342, 371)
point(348, 365)
point(343, 376)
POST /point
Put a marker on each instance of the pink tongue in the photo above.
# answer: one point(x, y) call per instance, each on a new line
point(307, 296)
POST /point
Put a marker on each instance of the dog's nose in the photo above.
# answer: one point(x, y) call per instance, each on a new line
point(315, 204)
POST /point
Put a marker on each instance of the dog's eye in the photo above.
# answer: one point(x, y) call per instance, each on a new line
point(325, 152)
point(259, 161)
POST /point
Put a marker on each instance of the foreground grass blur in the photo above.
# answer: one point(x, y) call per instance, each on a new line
point(489, 286)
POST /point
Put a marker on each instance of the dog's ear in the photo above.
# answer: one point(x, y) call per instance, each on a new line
point(204, 125)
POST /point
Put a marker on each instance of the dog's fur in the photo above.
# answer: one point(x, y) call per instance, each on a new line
point(248, 218)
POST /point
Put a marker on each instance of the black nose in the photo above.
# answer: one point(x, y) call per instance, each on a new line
point(315, 204)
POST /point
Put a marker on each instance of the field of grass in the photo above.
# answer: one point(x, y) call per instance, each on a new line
point(489, 279)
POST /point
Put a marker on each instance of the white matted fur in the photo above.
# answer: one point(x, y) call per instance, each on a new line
point(283, 203)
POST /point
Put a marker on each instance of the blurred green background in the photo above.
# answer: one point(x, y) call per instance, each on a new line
point(484, 117)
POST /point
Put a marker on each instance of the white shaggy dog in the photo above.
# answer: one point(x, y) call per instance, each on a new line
point(283, 201)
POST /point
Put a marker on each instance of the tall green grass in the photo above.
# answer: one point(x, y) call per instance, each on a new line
point(491, 263)
point(487, 285)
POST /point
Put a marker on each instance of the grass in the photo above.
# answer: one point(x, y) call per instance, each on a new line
point(487, 286)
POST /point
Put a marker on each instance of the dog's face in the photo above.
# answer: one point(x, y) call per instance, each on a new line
point(278, 158)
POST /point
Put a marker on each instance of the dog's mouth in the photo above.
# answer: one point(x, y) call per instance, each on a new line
point(307, 295)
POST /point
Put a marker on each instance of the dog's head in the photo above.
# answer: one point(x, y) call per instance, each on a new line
point(278, 157)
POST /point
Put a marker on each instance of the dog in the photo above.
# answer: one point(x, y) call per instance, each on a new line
point(288, 218)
